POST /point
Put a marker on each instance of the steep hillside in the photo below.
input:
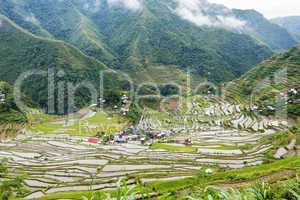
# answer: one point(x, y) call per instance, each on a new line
point(157, 35)
point(271, 84)
point(22, 52)
point(292, 24)
point(139, 36)
point(263, 30)
point(57, 19)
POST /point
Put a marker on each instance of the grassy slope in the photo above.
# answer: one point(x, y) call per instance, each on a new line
point(235, 175)
point(53, 124)
point(170, 147)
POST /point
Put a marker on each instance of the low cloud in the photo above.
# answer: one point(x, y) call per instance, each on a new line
point(97, 3)
point(130, 4)
point(1, 23)
point(197, 12)
point(191, 10)
point(230, 22)
point(31, 18)
point(93, 6)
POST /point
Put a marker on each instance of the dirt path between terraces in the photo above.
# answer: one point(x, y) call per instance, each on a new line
point(276, 176)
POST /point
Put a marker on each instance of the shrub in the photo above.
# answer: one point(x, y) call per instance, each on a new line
point(262, 191)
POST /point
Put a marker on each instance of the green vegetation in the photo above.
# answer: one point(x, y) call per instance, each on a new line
point(134, 114)
point(200, 185)
point(10, 187)
point(267, 84)
point(170, 147)
point(100, 122)
point(225, 147)
point(22, 51)
point(147, 44)
point(9, 112)
point(282, 138)
point(12, 120)
point(78, 40)
point(261, 191)
point(122, 192)
point(247, 174)
point(69, 195)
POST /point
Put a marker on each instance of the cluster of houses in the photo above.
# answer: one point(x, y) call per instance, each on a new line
point(2, 97)
point(103, 138)
point(294, 96)
point(131, 134)
point(128, 134)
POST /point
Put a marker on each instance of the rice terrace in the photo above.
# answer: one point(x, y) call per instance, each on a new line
point(149, 99)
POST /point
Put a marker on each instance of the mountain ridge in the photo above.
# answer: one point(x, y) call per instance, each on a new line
point(291, 23)
point(22, 51)
point(263, 30)
point(128, 40)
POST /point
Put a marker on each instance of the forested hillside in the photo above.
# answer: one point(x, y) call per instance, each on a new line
point(21, 52)
point(276, 37)
point(9, 112)
point(140, 38)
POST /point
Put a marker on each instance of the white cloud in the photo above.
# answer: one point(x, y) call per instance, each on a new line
point(195, 12)
point(93, 7)
point(1, 23)
point(130, 4)
point(191, 12)
point(230, 22)
point(270, 8)
point(31, 18)
point(97, 3)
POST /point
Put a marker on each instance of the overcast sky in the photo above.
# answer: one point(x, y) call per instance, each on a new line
point(270, 8)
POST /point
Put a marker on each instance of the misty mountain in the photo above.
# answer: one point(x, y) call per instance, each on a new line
point(256, 25)
point(292, 24)
point(137, 36)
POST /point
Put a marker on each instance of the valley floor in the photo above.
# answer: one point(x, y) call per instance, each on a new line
point(63, 165)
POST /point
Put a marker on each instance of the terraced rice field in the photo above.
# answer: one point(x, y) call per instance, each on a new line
point(56, 163)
